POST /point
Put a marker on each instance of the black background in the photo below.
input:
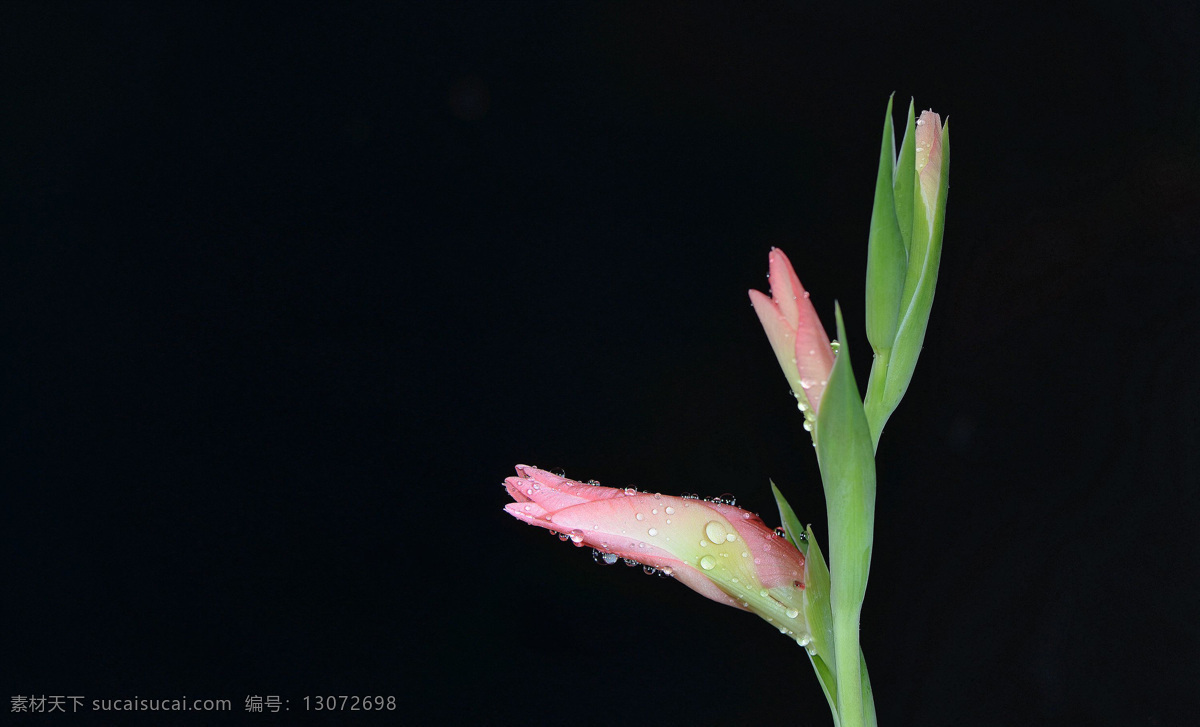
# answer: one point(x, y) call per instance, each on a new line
point(287, 292)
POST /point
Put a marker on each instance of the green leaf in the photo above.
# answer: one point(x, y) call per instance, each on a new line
point(791, 523)
point(904, 184)
point(820, 619)
point(868, 694)
point(817, 615)
point(886, 256)
point(846, 455)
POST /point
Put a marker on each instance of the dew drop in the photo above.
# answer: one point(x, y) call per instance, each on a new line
point(604, 558)
point(670, 510)
point(792, 613)
point(649, 570)
point(807, 425)
point(715, 531)
point(654, 511)
point(577, 538)
point(708, 562)
point(652, 532)
point(730, 537)
point(640, 516)
point(630, 491)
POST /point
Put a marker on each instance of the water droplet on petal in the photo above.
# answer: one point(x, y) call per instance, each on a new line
point(670, 510)
point(708, 562)
point(652, 532)
point(640, 516)
point(792, 613)
point(715, 531)
point(604, 558)
point(577, 538)
point(630, 491)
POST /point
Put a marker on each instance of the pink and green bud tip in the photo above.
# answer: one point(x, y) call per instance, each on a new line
point(796, 335)
point(929, 160)
point(720, 551)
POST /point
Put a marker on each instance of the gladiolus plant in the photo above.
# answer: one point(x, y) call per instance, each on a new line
point(730, 555)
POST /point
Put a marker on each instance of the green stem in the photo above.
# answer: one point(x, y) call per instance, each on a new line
point(850, 668)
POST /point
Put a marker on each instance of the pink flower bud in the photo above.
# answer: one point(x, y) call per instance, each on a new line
point(795, 332)
point(929, 158)
point(718, 550)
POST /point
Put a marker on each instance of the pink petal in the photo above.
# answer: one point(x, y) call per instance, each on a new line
point(779, 332)
point(553, 492)
point(777, 562)
point(786, 289)
point(517, 510)
point(698, 582)
point(814, 357)
point(929, 155)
